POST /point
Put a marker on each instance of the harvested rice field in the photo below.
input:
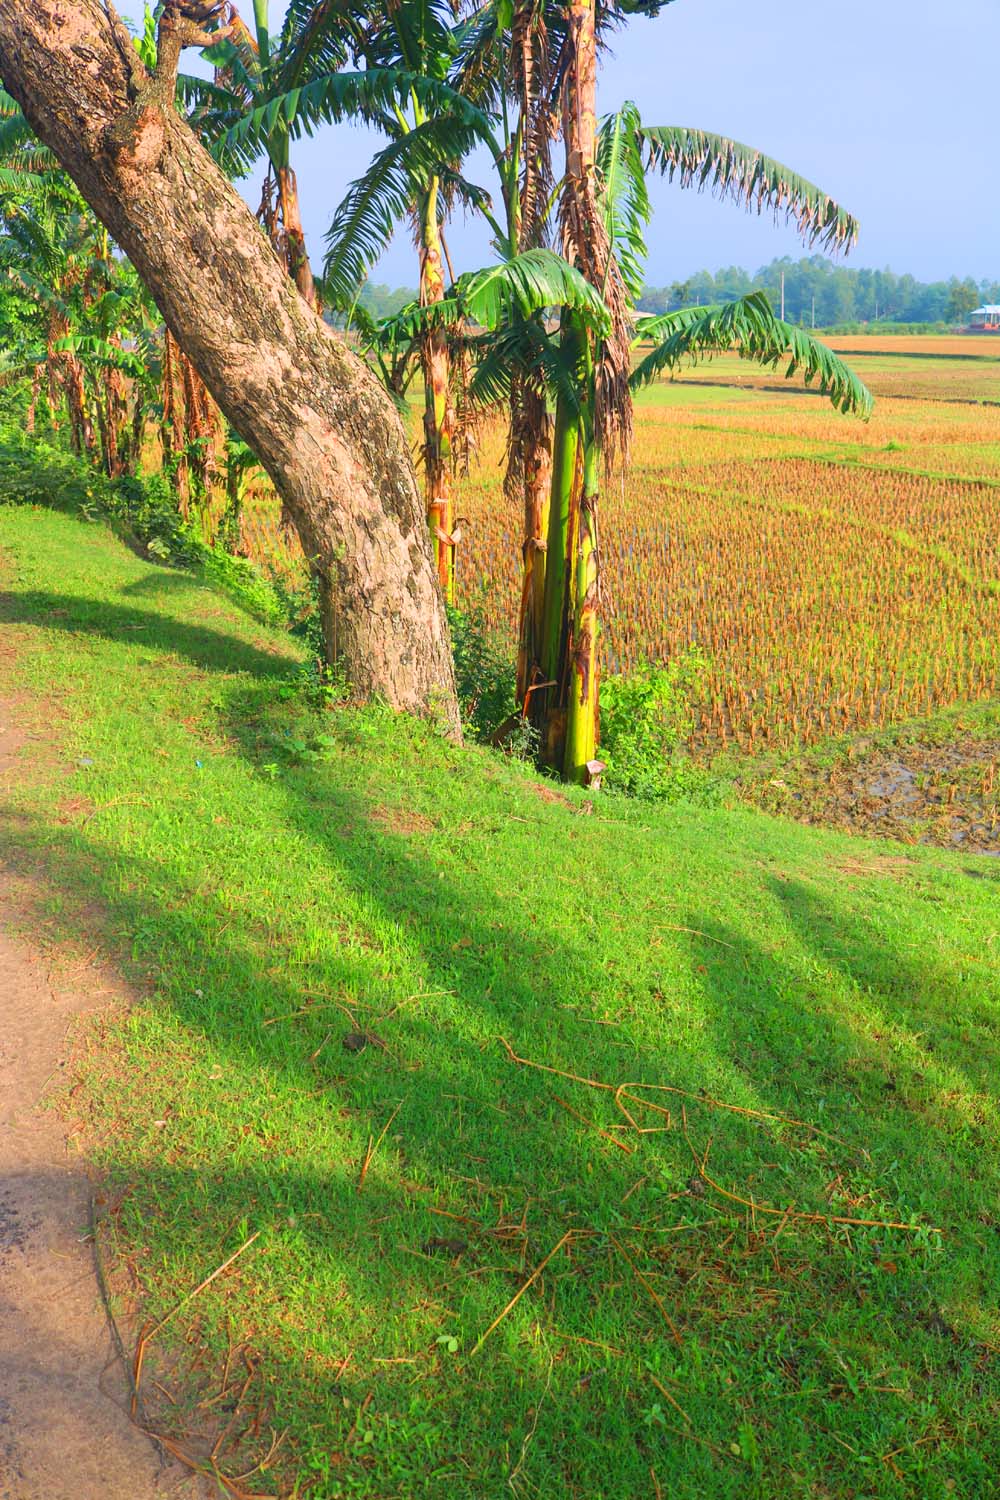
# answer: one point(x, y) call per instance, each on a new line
point(839, 576)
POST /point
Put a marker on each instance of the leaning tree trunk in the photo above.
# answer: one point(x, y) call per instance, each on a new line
point(322, 427)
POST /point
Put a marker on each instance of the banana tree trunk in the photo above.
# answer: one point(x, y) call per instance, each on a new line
point(81, 425)
point(203, 440)
point(548, 701)
point(116, 421)
point(439, 417)
point(529, 463)
point(66, 372)
point(172, 426)
point(602, 394)
point(580, 111)
point(583, 686)
point(36, 386)
point(530, 472)
point(324, 430)
point(295, 240)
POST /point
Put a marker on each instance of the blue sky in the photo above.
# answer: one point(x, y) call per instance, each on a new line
point(884, 103)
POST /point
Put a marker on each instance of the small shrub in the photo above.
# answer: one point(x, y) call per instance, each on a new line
point(33, 472)
point(146, 504)
point(646, 718)
point(485, 676)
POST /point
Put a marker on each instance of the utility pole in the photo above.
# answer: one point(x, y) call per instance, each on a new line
point(814, 309)
point(782, 296)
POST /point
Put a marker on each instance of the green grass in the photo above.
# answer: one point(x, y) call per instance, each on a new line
point(277, 877)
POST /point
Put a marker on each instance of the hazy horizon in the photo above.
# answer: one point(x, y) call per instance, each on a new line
point(874, 104)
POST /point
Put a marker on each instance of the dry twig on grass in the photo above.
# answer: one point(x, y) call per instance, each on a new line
point(145, 1338)
point(628, 1091)
point(650, 1289)
point(373, 1146)
point(569, 1235)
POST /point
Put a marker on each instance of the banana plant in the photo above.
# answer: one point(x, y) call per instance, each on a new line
point(430, 127)
point(604, 210)
point(402, 90)
point(585, 371)
point(258, 101)
point(92, 316)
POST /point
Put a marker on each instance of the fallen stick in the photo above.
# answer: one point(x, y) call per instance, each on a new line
point(622, 1091)
point(795, 1214)
point(664, 1392)
point(584, 1121)
point(570, 1234)
point(652, 1292)
point(372, 1148)
point(140, 1352)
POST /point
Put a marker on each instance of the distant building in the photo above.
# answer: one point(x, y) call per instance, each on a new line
point(985, 319)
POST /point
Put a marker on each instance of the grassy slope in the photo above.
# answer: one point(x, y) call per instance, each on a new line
point(441, 901)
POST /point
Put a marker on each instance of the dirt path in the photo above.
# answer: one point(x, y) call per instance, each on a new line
point(64, 1434)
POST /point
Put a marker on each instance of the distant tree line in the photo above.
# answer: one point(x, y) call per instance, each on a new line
point(820, 293)
point(381, 301)
point(815, 287)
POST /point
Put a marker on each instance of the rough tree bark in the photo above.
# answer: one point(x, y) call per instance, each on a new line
point(322, 426)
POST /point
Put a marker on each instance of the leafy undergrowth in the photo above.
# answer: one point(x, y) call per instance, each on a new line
point(472, 1277)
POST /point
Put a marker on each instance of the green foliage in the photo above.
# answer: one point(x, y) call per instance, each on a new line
point(372, 96)
point(34, 472)
point(624, 196)
point(883, 327)
point(376, 202)
point(749, 327)
point(528, 283)
point(500, 295)
point(484, 673)
point(646, 717)
point(963, 296)
point(147, 506)
point(380, 301)
point(741, 173)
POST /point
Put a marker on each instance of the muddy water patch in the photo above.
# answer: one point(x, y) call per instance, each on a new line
point(919, 793)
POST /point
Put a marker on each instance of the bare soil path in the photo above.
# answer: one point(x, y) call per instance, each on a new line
point(64, 1429)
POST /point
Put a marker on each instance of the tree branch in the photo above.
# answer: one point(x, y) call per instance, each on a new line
point(185, 23)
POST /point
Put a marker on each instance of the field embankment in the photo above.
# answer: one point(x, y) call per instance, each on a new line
point(388, 992)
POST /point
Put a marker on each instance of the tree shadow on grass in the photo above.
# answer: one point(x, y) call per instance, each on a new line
point(364, 1268)
point(856, 1026)
point(234, 1106)
point(483, 1140)
point(852, 1006)
point(173, 581)
point(211, 650)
